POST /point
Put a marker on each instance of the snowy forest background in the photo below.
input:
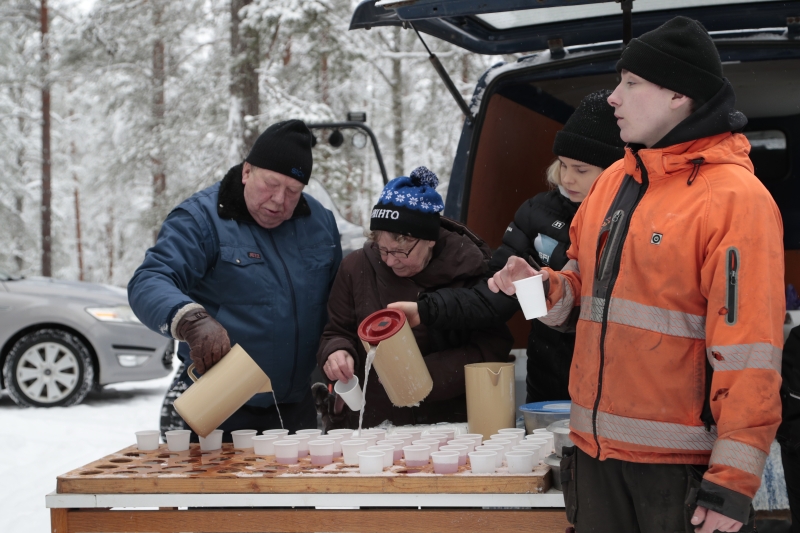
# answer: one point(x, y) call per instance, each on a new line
point(152, 100)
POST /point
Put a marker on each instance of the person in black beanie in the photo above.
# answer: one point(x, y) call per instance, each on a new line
point(247, 261)
point(677, 262)
point(587, 144)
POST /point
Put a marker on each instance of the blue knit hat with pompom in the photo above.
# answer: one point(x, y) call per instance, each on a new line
point(410, 205)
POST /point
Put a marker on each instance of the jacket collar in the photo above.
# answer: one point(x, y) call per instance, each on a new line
point(231, 204)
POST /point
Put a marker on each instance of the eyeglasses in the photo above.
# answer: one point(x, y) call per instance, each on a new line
point(397, 254)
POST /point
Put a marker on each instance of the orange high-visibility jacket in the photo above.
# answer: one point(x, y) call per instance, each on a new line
point(677, 258)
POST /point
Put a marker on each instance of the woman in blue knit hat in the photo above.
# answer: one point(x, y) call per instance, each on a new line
point(411, 249)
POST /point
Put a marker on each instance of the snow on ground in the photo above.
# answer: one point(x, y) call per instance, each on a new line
point(36, 445)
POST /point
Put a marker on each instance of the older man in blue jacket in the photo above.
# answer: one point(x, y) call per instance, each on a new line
point(249, 260)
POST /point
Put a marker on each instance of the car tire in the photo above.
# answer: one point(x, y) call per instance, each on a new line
point(48, 368)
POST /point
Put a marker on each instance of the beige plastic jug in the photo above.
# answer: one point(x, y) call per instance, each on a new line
point(221, 391)
point(398, 361)
point(490, 397)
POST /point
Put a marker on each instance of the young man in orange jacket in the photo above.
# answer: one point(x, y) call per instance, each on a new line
point(677, 265)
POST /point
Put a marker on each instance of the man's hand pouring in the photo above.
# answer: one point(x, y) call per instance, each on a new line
point(516, 269)
point(208, 341)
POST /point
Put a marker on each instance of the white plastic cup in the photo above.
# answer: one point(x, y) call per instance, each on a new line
point(280, 433)
point(469, 443)
point(462, 452)
point(405, 437)
point(397, 444)
point(520, 462)
point(264, 444)
point(350, 392)
point(286, 451)
point(379, 433)
point(483, 462)
point(415, 433)
point(417, 454)
point(313, 433)
point(443, 437)
point(321, 452)
point(178, 439)
point(519, 434)
point(540, 430)
point(302, 443)
point(212, 442)
point(498, 450)
point(370, 462)
point(147, 440)
point(545, 444)
point(243, 438)
point(549, 437)
point(451, 433)
point(505, 443)
point(370, 438)
point(477, 437)
point(344, 431)
point(530, 293)
point(388, 450)
point(445, 462)
point(350, 449)
point(337, 443)
point(529, 448)
point(433, 443)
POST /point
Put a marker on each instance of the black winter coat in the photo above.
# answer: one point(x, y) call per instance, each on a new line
point(547, 216)
point(789, 430)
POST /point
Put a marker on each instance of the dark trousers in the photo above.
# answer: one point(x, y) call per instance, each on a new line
point(791, 473)
point(614, 496)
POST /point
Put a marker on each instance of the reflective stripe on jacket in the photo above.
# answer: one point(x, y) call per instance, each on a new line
point(677, 258)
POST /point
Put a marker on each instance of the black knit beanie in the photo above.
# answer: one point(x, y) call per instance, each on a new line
point(591, 134)
point(410, 206)
point(285, 148)
point(680, 56)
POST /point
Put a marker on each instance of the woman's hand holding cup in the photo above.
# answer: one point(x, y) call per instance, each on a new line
point(516, 269)
point(339, 366)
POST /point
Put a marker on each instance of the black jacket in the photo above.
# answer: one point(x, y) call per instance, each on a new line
point(548, 215)
point(789, 430)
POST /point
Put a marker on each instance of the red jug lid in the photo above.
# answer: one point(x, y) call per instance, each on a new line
point(381, 325)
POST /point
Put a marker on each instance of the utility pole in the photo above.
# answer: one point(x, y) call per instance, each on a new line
point(47, 267)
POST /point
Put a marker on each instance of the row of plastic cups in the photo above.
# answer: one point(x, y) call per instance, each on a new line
point(376, 458)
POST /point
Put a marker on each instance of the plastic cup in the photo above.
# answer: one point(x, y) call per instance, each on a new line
point(212, 442)
point(243, 438)
point(530, 294)
point(520, 462)
point(302, 443)
point(350, 449)
point(371, 439)
point(370, 462)
point(321, 452)
point(505, 443)
point(344, 431)
point(397, 444)
point(469, 443)
point(519, 434)
point(313, 433)
point(286, 451)
point(546, 435)
point(264, 444)
point(350, 392)
point(477, 437)
point(544, 444)
point(462, 452)
point(415, 433)
point(147, 440)
point(178, 440)
point(483, 462)
point(433, 443)
point(445, 462)
point(529, 448)
point(337, 443)
point(380, 433)
point(280, 433)
point(451, 433)
point(443, 437)
point(405, 437)
point(417, 454)
point(498, 450)
point(388, 450)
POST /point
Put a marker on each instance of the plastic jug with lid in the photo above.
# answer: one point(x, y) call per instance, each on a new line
point(398, 361)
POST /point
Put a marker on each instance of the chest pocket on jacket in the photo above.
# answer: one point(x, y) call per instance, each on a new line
point(241, 256)
point(317, 257)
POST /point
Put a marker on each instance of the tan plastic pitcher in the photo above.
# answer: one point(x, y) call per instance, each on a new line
point(221, 391)
point(490, 397)
point(398, 361)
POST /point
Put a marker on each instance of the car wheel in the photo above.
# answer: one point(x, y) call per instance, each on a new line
point(48, 368)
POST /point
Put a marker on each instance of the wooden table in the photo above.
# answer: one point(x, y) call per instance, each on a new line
point(235, 491)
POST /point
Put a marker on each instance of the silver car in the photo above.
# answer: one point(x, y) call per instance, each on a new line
point(61, 339)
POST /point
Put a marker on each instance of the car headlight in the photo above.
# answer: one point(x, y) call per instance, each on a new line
point(121, 314)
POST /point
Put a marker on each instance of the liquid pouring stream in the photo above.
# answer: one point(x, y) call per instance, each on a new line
point(367, 368)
